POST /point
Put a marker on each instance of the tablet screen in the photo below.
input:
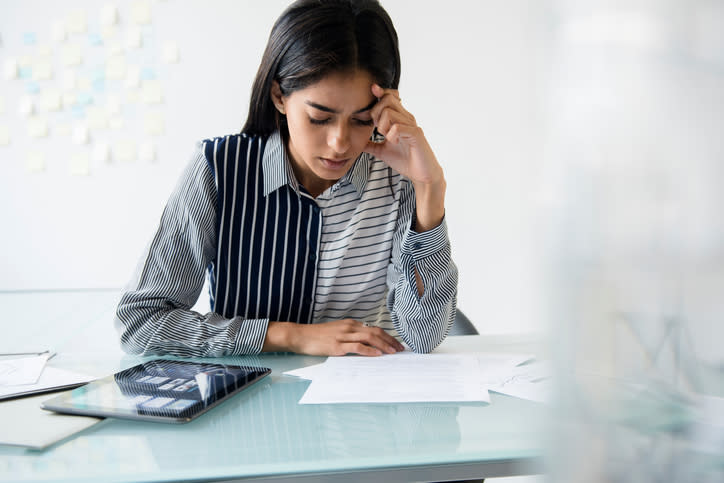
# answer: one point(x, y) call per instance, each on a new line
point(159, 390)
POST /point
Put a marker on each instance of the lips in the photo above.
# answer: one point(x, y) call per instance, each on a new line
point(334, 163)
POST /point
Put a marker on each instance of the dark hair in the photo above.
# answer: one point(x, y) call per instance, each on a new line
point(314, 38)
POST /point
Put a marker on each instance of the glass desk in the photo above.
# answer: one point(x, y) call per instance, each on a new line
point(263, 433)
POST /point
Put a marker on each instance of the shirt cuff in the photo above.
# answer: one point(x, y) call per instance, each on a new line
point(425, 244)
point(250, 336)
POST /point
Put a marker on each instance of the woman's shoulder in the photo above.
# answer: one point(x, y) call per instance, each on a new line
point(237, 147)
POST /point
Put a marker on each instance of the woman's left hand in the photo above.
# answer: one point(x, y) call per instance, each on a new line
point(406, 150)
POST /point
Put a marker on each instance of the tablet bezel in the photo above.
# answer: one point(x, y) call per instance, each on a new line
point(65, 404)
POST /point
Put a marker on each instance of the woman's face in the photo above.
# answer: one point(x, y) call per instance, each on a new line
point(329, 126)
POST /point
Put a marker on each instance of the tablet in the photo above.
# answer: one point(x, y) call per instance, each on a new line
point(158, 390)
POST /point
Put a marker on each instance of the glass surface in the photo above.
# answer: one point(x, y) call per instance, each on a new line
point(160, 390)
point(262, 431)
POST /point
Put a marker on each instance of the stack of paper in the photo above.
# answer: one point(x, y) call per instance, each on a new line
point(410, 377)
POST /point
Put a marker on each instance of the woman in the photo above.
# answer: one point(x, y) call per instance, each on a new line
point(317, 236)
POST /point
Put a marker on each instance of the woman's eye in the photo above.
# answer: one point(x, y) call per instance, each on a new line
point(319, 121)
point(369, 122)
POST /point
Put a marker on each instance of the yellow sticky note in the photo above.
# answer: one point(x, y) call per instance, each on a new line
point(69, 79)
point(153, 123)
point(42, 70)
point(151, 92)
point(116, 123)
point(147, 151)
point(141, 12)
point(71, 55)
point(44, 51)
point(109, 15)
point(133, 96)
point(35, 161)
point(58, 32)
point(80, 134)
point(169, 52)
point(101, 152)
point(50, 99)
point(115, 48)
point(2, 105)
point(69, 99)
point(37, 127)
point(25, 61)
point(10, 69)
point(108, 32)
point(113, 105)
point(26, 106)
point(96, 117)
point(79, 164)
point(134, 38)
point(116, 67)
point(125, 151)
point(4, 135)
point(133, 77)
point(83, 83)
point(63, 129)
point(76, 22)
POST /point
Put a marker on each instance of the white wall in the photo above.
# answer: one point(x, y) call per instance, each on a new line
point(473, 75)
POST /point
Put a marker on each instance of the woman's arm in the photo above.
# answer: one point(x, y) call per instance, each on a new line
point(154, 315)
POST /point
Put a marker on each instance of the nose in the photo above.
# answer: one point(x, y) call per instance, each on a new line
point(339, 139)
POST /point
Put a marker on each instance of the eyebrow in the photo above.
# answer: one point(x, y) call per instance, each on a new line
point(334, 111)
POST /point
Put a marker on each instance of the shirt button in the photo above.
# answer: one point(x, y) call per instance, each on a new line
point(315, 209)
point(312, 256)
point(417, 245)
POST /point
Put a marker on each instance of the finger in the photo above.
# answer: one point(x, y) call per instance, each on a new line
point(361, 349)
point(399, 132)
point(375, 337)
point(389, 118)
point(390, 103)
point(379, 92)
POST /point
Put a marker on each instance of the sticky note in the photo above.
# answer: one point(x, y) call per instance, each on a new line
point(116, 122)
point(83, 99)
point(101, 152)
point(125, 151)
point(58, 32)
point(32, 87)
point(10, 69)
point(80, 134)
point(69, 99)
point(35, 161)
point(115, 48)
point(108, 32)
point(116, 67)
point(42, 70)
point(151, 92)
point(113, 105)
point(26, 106)
point(147, 151)
point(79, 164)
point(96, 117)
point(2, 105)
point(95, 39)
point(25, 73)
point(71, 55)
point(50, 100)
point(141, 12)
point(63, 129)
point(133, 76)
point(44, 51)
point(78, 111)
point(147, 73)
point(37, 127)
point(4, 135)
point(68, 82)
point(25, 61)
point(109, 15)
point(153, 123)
point(83, 83)
point(169, 52)
point(134, 38)
point(76, 22)
point(29, 38)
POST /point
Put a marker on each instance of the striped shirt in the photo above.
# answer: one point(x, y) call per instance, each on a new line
point(273, 252)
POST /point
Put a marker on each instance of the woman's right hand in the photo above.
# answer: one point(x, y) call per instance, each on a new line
point(335, 338)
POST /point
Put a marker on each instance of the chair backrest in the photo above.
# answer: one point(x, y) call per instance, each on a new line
point(462, 325)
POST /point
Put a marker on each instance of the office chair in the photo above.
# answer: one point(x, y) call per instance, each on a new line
point(462, 325)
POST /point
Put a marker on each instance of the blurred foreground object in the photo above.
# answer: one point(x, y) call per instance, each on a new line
point(636, 154)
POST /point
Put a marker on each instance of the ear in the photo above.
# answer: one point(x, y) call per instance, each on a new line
point(277, 97)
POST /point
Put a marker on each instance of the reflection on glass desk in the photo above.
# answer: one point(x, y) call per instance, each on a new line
point(264, 433)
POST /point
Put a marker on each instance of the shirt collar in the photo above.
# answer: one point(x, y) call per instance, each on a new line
point(277, 170)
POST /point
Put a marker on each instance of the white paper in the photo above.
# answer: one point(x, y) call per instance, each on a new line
point(529, 381)
point(21, 370)
point(51, 377)
point(397, 378)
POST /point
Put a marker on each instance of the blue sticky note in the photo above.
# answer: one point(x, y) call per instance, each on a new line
point(78, 111)
point(95, 39)
point(25, 73)
point(147, 73)
point(32, 87)
point(30, 38)
point(83, 99)
point(98, 74)
point(99, 85)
